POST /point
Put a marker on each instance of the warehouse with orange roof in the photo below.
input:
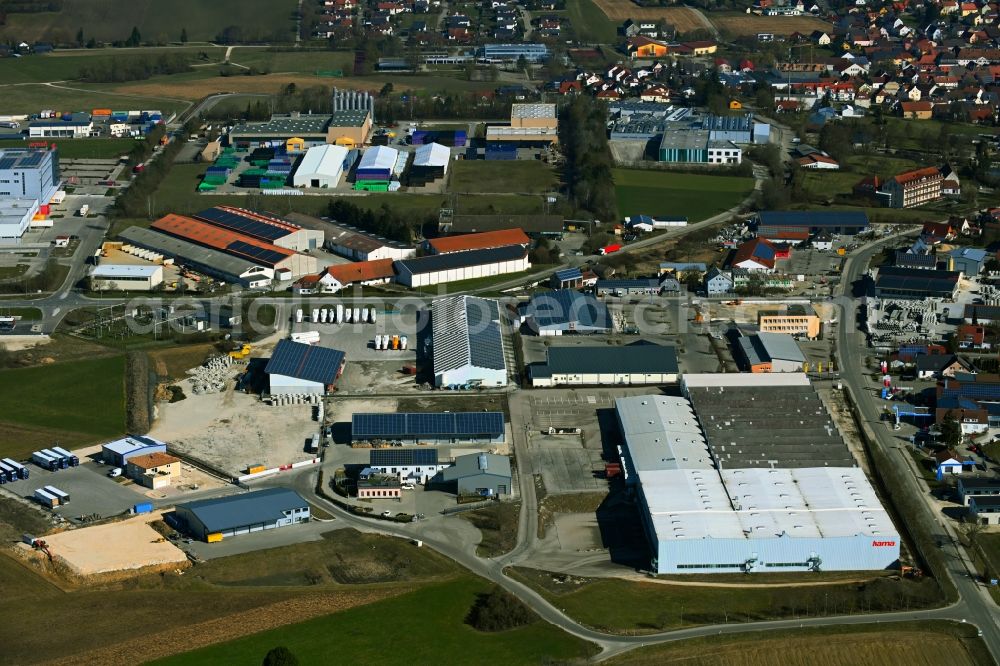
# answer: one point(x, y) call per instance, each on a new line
point(486, 240)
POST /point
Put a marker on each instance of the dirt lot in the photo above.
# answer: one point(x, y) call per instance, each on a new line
point(125, 545)
point(750, 24)
point(682, 17)
point(233, 430)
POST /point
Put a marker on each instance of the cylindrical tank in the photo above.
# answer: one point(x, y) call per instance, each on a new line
point(371, 316)
point(322, 315)
point(356, 316)
point(340, 313)
point(395, 342)
point(347, 316)
point(402, 342)
point(364, 315)
point(298, 316)
point(315, 315)
point(378, 341)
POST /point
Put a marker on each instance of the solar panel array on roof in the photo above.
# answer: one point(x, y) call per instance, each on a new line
point(405, 425)
point(242, 224)
point(401, 457)
point(7, 163)
point(307, 362)
point(484, 331)
point(31, 159)
point(260, 254)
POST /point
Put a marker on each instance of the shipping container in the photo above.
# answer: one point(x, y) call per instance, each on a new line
point(61, 461)
point(144, 507)
point(254, 469)
point(47, 499)
point(63, 496)
point(45, 461)
point(73, 460)
point(214, 538)
point(22, 471)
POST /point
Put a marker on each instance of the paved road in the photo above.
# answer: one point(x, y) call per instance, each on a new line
point(976, 602)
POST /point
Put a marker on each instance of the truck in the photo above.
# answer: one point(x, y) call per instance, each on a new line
point(608, 249)
point(22, 471)
point(46, 499)
point(7, 473)
point(63, 496)
point(74, 461)
point(313, 443)
point(61, 461)
point(45, 461)
point(84, 210)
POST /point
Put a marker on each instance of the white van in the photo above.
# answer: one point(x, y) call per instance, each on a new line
point(116, 471)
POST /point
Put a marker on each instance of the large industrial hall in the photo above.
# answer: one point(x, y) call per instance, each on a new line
point(764, 483)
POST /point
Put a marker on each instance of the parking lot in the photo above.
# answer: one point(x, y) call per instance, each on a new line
point(90, 490)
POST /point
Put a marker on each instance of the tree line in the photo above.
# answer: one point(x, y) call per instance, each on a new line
point(584, 142)
point(383, 222)
point(136, 201)
point(137, 68)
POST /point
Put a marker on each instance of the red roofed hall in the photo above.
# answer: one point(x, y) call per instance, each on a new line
point(486, 240)
point(285, 262)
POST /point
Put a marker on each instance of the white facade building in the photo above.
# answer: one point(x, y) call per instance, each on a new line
point(322, 166)
point(15, 218)
point(458, 266)
point(126, 277)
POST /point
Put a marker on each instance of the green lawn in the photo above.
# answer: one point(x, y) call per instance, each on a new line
point(162, 22)
point(75, 402)
point(426, 626)
point(694, 196)
point(109, 148)
point(299, 62)
point(480, 176)
point(26, 314)
point(32, 98)
point(655, 607)
point(590, 24)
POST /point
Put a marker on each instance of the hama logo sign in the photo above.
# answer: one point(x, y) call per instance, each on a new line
point(883, 544)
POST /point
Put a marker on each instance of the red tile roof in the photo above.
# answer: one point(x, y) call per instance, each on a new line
point(481, 241)
point(361, 271)
point(202, 233)
point(917, 174)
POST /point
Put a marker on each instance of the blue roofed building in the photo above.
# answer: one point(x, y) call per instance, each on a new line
point(968, 260)
point(533, 53)
point(119, 451)
point(297, 368)
point(847, 223)
point(429, 428)
point(214, 519)
point(567, 278)
point(565, 311)
point(467, 342)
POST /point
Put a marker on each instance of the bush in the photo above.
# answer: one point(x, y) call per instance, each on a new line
point(499, 610)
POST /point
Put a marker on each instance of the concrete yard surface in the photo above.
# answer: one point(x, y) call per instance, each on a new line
point(120, 546)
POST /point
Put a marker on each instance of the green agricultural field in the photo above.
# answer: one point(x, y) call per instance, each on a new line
point(65, 65)
point(32, 98)
point(480, 176)
point(694, 196)
point(422, 626)
point(161, 22)
point(83, 148)
point(307, 62)
point(76, 403)
point(590, 24)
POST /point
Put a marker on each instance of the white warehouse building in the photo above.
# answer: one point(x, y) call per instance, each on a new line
point(126, 277)
point(322, 166)
point(709, 505)
point(468, 343)
point(458, 266)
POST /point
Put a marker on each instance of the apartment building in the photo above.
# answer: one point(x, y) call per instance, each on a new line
point(914, 188)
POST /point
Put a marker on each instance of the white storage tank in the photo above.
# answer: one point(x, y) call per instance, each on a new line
point(364, 315)
point(322, 315)
point(298, 316)
point(356, 316)
point(371, 316)
point(378, 341)
point(315, 315)
point(402, 342)
point(340, 313)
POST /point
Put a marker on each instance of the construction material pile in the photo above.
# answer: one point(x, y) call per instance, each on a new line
point(211, 377)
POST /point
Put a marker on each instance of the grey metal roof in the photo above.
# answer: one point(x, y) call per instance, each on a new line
point(475, 464)
point(916, 279)
point(466, 331)
point(813, 218)
point(768, 426)
point(628, 283)
point(307, 362)
point(261, 506)
point(188, 252)
point(638, 357)
point(443, 262)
